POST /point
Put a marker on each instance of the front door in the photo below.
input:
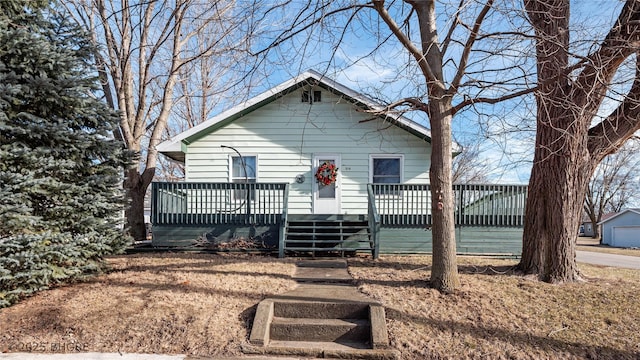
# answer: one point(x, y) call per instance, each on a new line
point(326, 198)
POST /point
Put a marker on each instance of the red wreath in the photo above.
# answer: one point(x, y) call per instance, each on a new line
point(327, 173)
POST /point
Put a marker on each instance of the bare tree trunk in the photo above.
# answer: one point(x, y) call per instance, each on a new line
point(444, 272)
point(534, 239)
point(594, 226)
point(144, 49)
point(568, 148)
point(555, 200)
point(136, 185)
point(554, 207)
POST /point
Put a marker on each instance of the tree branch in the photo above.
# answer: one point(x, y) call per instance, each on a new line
point(464, 58)
point(621, 42)
point(281, 39)
point(452, 28)
point(610, 134)
point(407, 43)
point(411, 101)
point(471, 101)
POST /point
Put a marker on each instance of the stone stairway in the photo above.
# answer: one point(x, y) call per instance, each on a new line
point(323, 317)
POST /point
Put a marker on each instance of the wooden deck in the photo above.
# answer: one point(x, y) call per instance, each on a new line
point(489, 218)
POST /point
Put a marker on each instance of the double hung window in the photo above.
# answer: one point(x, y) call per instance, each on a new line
point(386, 169)
point(243, 170)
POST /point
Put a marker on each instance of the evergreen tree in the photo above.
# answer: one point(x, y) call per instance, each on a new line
point(60, 167)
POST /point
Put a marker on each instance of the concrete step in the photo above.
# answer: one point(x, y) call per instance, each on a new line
point(324, 263)
point(331, 330)
point(324, 275)
point(322, 317)
point(323, 310)
point(308, 349)
point(325, 345)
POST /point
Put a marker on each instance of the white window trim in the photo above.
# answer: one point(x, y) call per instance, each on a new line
point(230, 165)
point(386, 156)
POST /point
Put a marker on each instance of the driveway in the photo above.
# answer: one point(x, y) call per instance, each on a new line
point(596, 258)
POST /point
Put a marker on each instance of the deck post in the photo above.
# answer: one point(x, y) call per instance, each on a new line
point(376, 235)
point(248, 200)
point(283, 221)
point(154, 203)
point(374, 222)
point(283, 227)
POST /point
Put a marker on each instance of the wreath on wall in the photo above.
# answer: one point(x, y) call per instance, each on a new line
point(327, 173)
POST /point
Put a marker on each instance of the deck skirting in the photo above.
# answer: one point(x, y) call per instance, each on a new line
point(393, 240)
point(469, 240)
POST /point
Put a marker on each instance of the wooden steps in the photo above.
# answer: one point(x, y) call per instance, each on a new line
point(334, 235)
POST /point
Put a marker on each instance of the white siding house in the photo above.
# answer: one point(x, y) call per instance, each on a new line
point(277, 142)
point(622, 229)
point(285, 133)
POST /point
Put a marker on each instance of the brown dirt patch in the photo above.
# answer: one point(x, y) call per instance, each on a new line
point(192, 304)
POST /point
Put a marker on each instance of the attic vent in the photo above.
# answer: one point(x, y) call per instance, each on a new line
point(306, 96)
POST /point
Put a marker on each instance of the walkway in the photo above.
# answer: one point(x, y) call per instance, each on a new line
point(325, 316)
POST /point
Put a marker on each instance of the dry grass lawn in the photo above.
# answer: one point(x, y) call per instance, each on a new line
point(202, 305)
point(193, 304)
point(500, 315)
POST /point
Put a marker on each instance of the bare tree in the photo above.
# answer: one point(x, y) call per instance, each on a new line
point(468, 166)
point(201, 91)
point(448, 65)
point(148, 52)
point(614, 185)
point(571, 140)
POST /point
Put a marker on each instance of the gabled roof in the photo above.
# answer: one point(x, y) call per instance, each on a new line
point(174, 147)
point(604, 220)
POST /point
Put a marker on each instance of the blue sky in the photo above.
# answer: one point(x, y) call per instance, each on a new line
point(505, 131)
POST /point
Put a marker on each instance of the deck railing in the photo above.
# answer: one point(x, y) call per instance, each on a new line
point(409, 205)
point(190, 203)
point(490, 205)
point(402, 205)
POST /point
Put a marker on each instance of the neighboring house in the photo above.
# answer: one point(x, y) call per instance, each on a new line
point(622, 229)
point(251, 172)
point(586, 227)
